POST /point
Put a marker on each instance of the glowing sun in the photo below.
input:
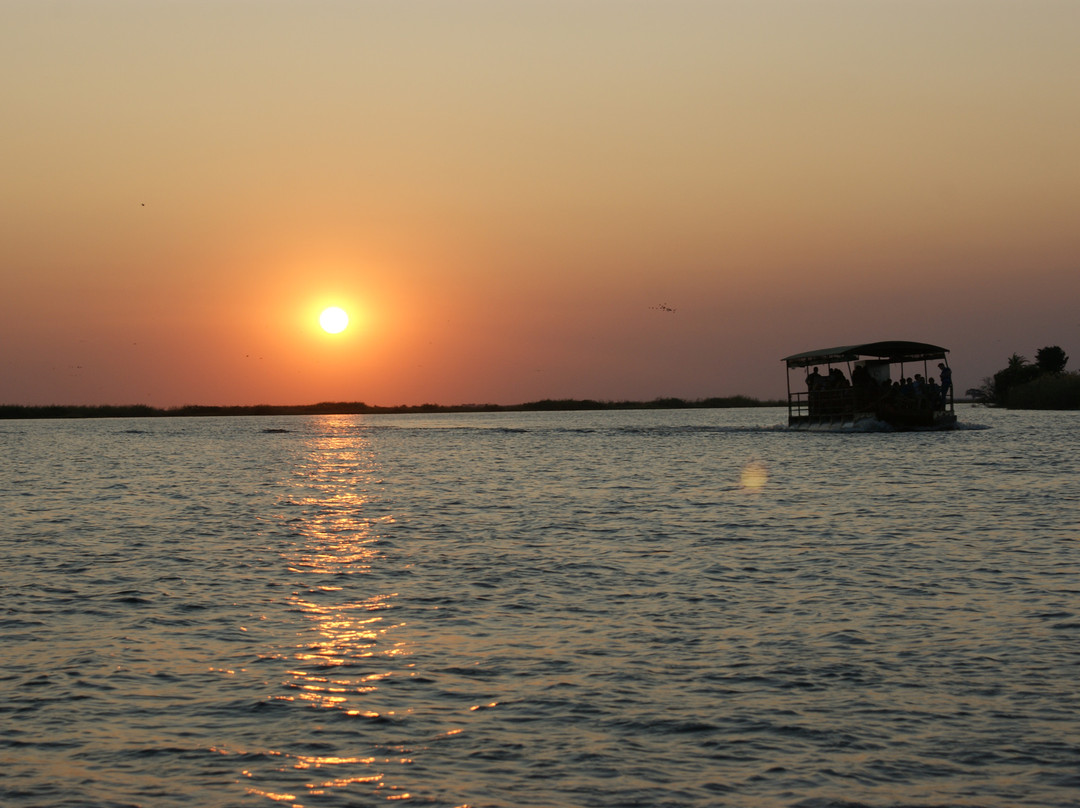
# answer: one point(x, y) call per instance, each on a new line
point(334, 320)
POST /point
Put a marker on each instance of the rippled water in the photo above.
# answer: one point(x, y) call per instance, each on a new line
point(674, 608)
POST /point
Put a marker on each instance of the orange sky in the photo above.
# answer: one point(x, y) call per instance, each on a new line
point(505, 195)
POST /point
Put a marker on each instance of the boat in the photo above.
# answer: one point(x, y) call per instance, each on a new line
point(883, 387)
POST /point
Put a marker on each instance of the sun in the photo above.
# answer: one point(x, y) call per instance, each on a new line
point(334, 320)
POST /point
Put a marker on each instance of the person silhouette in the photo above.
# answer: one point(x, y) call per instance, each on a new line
point(946, 381)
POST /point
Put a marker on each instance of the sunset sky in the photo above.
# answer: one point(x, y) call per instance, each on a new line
point(528, 199)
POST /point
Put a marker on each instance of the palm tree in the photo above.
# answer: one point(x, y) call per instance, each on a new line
point(1017, 363)
point(1019, 372)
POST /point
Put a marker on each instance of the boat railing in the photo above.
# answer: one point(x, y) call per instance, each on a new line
point(825, 406)
point(848, 403)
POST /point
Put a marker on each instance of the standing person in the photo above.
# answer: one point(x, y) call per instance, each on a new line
point(946, 382)
point(814, 383)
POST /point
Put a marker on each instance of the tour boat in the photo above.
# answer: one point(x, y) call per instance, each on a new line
point(889, 385)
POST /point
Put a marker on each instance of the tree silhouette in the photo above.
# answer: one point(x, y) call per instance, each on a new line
point(984, 392)
point(1019, 372)
point(1033, 385)
point(1017, 363)
point(1051, 359)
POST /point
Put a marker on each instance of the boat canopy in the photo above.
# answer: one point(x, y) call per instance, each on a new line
point(894, 351)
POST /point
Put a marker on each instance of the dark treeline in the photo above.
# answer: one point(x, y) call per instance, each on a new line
point(1040, 385)
point(359, 408)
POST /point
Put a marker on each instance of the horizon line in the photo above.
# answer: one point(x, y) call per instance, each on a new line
point(10, 411)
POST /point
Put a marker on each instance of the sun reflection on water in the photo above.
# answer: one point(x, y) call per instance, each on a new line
point(754, 476)
point(345, 650)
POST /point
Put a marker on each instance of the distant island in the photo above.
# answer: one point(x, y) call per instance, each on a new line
point(10, 411)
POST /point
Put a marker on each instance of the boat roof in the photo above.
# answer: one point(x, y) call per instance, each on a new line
point(893, 351)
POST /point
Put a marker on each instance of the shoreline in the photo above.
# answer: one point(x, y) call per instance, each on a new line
point(20, 411)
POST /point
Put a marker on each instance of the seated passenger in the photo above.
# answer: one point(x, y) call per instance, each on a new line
point(933, 392)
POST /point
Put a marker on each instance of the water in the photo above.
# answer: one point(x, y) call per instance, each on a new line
point(674, 608)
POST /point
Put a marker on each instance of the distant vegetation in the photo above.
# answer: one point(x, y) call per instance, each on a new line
point(359, 408)
point(1023, 385)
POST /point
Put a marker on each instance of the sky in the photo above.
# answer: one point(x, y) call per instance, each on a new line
point(525, 200)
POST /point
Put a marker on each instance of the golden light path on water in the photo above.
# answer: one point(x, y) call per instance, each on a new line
point(338, 543)
point(337, 548)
